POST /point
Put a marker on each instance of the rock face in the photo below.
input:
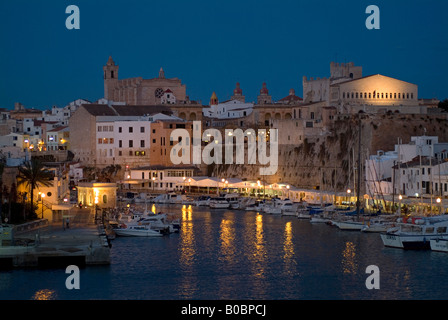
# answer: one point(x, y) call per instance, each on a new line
point(327, 161)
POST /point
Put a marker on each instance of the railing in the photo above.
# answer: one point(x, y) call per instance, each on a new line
point(29, 226)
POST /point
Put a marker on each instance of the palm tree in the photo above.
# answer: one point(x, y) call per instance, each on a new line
point(32, 174)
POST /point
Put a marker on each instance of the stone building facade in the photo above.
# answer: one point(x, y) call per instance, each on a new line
point(139, 91)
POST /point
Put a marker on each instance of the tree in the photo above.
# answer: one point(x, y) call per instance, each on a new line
point(443, 105)
point(32, 174)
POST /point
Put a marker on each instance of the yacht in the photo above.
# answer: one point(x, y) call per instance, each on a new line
point(416, 232)
point(257, 206)
point(203, 201)
point(136, 231)
point(219, 203)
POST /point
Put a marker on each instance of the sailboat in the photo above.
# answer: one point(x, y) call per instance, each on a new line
point(355, 223)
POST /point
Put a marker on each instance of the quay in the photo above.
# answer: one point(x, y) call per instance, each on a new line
point(45, 244)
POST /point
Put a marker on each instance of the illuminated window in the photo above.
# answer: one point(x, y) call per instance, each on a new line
point(100, 141)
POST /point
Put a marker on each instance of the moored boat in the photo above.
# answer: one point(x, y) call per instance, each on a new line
point(439, 244)
point(219, 203)
point(416, 233)
point(136, 231)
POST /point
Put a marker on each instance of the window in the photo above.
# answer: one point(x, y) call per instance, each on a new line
point(370, 95)
point(100, 128)
point(343, 96)
point(111, 128)
point(100, 141)
point(395, 95)
point(120, 153)
point(120, 144)
point(153, 130)
point(111, 140)
point(120, 129)
point(131, 143)
point(142, 143)
point(142, 129)
point(131, 129)
point(153, 140)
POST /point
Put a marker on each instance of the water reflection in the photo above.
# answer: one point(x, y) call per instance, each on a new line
point(349, 264)
point(187, 251)
point(227, 237)
point(288, 246)
point(44, 294)
point(258, 252)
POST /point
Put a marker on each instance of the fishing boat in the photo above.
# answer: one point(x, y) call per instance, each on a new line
point(416, 232)
point(136, 231)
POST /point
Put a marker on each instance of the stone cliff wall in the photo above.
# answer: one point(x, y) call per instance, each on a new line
point(327, 161)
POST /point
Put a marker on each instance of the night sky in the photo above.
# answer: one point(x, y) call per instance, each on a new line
point(211, 45)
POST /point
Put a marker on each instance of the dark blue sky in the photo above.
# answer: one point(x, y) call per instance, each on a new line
point(211, 45)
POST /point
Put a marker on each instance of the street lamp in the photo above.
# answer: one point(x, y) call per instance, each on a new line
point(439, 201)
point(42, 196)
point(400, 197)
point(153, 183)
point(348, 196)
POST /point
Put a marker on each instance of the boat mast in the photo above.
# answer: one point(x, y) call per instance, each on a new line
point(359, 169)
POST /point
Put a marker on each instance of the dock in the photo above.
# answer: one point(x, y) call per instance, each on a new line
point(46, 244)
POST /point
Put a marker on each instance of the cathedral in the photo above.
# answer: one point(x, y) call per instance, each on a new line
point(139, 91)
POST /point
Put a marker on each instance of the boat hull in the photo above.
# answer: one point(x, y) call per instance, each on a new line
point(349, 225)
point(439, 245)
point(408, 242)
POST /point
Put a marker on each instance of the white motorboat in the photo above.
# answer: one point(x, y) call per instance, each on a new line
point(233, 199)
point(416, 233)
point(288, 208)
point(349, 225)
point(173, 198)
point(317, 218)
point(159, 223)
point(257, 206)
point(136, 231)
point(219, 203)
point(439, 244)
point(203, 201)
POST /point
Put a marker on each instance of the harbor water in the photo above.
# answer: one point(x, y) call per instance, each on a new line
point(241, 255)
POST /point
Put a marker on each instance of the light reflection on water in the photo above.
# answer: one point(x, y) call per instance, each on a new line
point(45, 294)
point(223, 254)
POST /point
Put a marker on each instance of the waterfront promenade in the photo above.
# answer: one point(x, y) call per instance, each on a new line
point(54, 244)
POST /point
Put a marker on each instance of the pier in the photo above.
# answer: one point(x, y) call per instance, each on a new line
point(53, 244)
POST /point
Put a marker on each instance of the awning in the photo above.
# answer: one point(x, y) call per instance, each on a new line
point(64, 207)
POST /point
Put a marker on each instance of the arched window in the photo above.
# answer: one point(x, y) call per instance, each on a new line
point(112, 74)
point(104, 198)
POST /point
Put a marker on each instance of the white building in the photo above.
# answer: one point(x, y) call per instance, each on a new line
point(230, 109)
point(382, 169)
point(127, 138)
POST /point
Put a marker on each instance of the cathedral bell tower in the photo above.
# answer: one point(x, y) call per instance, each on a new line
point(110, 78)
